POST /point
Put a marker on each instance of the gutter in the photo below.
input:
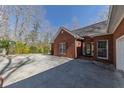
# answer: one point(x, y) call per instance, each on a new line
point(109, 17)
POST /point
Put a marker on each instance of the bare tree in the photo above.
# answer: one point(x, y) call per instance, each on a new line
point(17, 14)
point(35, 31)
point(103, 15)
point(24, 25)
point(22, 19)
point(28, 24)
point(4, 22)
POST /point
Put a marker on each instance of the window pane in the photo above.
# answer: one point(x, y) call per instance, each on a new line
point(102, 49)
point(88, 49)
point(92, 48)
point(102, 52)
point(83, 48)
point(62, 48)
point(102, 44)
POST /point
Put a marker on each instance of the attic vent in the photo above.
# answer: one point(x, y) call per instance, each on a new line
point(62, 32)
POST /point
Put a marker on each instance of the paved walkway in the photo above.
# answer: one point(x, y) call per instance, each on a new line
point(70, 74)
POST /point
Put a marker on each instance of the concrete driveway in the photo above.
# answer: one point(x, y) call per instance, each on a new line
point(25, 66)
point(52, 72)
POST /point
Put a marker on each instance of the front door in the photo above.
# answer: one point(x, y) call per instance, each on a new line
point(87, 49)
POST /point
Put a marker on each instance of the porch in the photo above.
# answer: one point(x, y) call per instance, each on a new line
point(97, 48)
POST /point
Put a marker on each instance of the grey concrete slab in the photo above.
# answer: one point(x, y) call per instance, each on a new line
point(25, 66)
point(73, 74)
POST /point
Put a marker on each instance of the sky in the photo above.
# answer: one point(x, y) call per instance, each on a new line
point(69, 15)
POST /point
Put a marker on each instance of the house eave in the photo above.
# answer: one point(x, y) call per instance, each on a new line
point(109, 19)
point(75, 36)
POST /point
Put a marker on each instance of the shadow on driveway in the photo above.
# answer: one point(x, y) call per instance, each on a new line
point(71, 75)
point(9, 70)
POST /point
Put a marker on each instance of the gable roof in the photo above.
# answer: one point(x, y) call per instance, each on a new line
point(68, 31)
point(91, 30)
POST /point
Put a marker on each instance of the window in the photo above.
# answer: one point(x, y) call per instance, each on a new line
point(62, 48)
point(83, 48)
point(88, 49)
point(92, 48)
point(102, 49)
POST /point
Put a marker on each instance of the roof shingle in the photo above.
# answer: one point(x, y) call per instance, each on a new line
point(91, 30)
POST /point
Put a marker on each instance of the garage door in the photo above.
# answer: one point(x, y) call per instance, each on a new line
point(120, 53)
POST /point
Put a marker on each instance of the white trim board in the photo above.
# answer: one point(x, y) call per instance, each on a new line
point(109, 19)
point(116, 26)
point(120, 53)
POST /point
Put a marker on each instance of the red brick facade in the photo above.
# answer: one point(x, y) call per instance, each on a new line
point(62, 37)
point(74, 46)
point(110, 48)
point(109, 38)
point(117, 33)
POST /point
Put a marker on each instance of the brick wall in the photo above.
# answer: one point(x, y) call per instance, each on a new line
point(64, 36)
point(110, 48)
point(117, 33)
point(70, 44)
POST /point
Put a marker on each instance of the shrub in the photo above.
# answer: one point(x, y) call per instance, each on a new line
point(45, 50)
point(40, 50)
point(4, 43)
point(33, 49)
point(26, 50)
point(21, 48)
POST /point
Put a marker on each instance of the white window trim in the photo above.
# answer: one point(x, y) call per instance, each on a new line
point(83, 49)
point(106, 58)
point(88, 47)
point(59, 48)
point(92, 48)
